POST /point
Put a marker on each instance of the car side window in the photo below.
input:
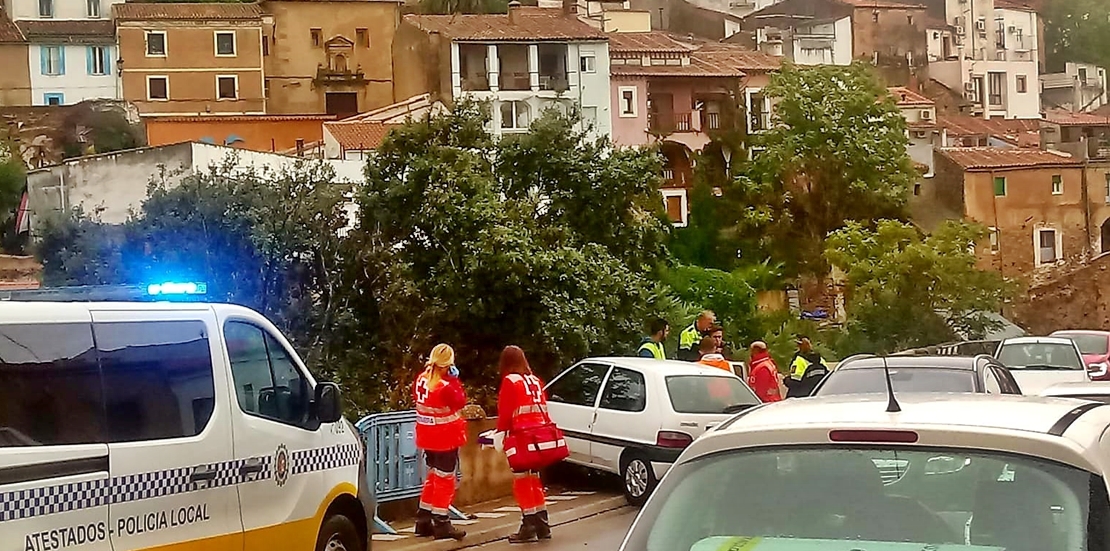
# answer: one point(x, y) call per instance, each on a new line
point(990, 381)
point(267, 381)
point(579, 386)
point(625, 391)
point(50, 386)
point(157, 378)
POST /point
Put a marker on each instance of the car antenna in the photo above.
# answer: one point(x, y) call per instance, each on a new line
point(892, 402)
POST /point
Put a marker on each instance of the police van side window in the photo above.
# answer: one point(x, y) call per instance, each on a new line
point(267, 381)
point(50, 390)
point(157, 378)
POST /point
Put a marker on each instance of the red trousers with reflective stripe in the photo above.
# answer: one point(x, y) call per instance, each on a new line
point(439, 487)
point(528, 491)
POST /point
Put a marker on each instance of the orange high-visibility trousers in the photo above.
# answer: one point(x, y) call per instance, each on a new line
point(439, 486)
point(528, 491)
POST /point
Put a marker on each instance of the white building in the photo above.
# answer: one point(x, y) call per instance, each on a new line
point(1080, 88)
point(812, 42)
point(920, 113)
point(991, 57)
point(524, 62)
point(72, 52)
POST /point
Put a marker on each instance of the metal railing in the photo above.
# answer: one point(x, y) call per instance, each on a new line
point(395, 468)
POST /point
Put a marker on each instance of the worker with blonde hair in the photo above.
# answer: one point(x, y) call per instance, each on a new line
point(440, 432)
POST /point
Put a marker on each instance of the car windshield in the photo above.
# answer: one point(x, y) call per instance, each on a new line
point(1094, 345)
point(1054, 356)
point(916, 379)
point(870, 498)
point(709, 394)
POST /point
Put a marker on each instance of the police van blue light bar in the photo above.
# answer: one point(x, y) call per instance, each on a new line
point(176, 288)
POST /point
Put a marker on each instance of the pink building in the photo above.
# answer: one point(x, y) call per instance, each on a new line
point(675, 92)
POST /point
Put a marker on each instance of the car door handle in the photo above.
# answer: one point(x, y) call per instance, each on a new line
point(251, 467)
point(200, 474)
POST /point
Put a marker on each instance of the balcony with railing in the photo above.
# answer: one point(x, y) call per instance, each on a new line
point(668, 123)
point(472, 67)
point(513, 61)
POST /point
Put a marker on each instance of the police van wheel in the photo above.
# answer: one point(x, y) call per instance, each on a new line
point(638, 477)
point(338, 534)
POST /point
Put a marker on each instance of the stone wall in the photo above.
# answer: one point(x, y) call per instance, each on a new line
point(1075, 299)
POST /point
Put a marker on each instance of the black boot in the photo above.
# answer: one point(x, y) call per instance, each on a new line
point(424, 525)
point(443, 530)
point(543, 527)
point(527, 532)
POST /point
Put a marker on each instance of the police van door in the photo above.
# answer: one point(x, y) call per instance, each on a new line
point(53, 462)
point(275, 435)
point(168, 420)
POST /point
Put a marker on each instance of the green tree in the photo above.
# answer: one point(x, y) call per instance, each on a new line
point(836, 152)
point(1076, 30)
point(905, 290)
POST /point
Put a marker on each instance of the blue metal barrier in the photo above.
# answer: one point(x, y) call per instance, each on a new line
point(394, 468)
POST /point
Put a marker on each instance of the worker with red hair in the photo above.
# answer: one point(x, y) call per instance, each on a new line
point(521, 404)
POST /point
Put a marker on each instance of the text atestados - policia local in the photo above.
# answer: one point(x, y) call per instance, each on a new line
point(72, 536)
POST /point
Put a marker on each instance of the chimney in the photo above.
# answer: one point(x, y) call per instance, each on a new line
point(570, 7)
point(513, 7)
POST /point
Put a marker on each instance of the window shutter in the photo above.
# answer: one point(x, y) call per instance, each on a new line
point(61, 60)
point(107, 53)
point(90, 53)
point(43, 53)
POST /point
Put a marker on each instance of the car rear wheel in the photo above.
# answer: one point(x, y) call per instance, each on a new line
point(338, 534)
point(638, 477)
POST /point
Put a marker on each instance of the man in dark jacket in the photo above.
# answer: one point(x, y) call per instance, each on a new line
point(806, 370)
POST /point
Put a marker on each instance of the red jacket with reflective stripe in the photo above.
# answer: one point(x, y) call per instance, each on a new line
point(439, 427)
point(521, 402)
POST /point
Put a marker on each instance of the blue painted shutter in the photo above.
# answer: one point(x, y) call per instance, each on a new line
point(107, 52)
point(90, 53)
point(43, 53)
point(61, 60)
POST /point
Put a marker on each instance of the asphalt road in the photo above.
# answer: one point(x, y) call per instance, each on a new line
point(603, 532)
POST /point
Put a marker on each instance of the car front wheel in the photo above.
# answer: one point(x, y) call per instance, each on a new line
point(338, 534)
point(639, 479)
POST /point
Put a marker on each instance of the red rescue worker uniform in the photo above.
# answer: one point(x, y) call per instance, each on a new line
point(521, 404)
point(440, 432)
point(763, 377)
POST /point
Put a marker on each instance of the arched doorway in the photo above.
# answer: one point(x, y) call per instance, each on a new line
point(678, 169)
point(1106, 236)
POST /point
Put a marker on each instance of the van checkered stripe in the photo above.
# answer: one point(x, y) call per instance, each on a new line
point(63, 498)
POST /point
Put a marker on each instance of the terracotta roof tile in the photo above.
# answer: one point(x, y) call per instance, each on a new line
point(905, 97)
point(236, 118)
point(883, 4)
point(650, 42)
point(743, 58)
point(535, 24)
point(166, 11)
point(1019, 5)
point(69, 32)
point(1067, 118)
point(9, 32)
point(986, 158)
point(1019, 131)
point(358, 136)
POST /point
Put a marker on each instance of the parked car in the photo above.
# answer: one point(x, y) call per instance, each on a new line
point(1093, 391)
point(1040, 362)
point(967, 471)
point(1095, 347)
point(864, 374)
point(634, 416)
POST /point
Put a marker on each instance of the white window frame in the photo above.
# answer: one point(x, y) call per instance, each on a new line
point(1058, 245)
point(994, 238)
point(513, 128)
point(216, 44)
point(165, 44)
point(681, 193)
point(90, 12)
point(52, 69)
point(1057, 190)
point(635, 102)
point(587, 62)
point(235, 79)
point(98, 59)
point(748, 93)
point(152, 77)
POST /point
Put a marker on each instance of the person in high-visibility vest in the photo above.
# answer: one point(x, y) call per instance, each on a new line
point(690, 337)
point(652, 346)
point(709, 355)
point(440, 432)
point(806, 370)
point(521, 404)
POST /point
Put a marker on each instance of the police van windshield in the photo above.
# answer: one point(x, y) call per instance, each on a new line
point(787, 499)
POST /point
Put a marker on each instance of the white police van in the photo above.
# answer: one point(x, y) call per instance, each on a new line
point(156, 426)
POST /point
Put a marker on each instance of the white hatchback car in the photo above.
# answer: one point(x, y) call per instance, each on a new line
point(634, 416)
point(1095, 391)
point(1040, 362)
point(967, 472)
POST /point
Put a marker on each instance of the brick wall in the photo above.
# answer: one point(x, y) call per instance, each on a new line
point(1075, 299)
